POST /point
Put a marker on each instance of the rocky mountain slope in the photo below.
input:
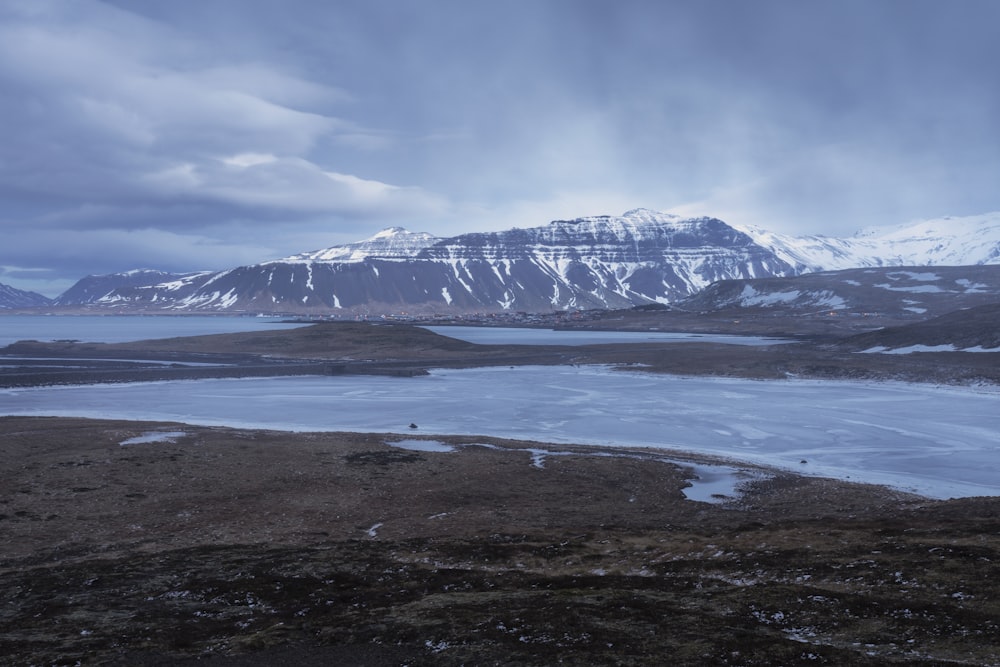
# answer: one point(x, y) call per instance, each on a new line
point(11, 297)
point(92, 289)
point(599, 262)
point(640, 257)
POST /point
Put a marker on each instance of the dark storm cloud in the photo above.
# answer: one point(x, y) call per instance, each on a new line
point(191, 134)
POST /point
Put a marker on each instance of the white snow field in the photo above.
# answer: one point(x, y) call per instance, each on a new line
point(937, 441)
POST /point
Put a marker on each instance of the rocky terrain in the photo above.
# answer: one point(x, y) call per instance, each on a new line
point(155, 544)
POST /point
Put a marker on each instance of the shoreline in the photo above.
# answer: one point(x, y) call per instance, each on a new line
point(252, 547)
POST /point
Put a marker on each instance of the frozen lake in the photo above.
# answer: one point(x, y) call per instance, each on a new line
point(937, 441)
point(124, 328)
point(522, 336)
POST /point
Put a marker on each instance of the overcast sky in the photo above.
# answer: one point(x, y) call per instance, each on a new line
point(204, 134)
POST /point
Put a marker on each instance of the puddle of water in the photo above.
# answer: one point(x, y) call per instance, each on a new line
point(154, 436)
point(421, 445)
point(715, 484)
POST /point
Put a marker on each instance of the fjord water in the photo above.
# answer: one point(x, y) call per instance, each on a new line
point(124, 328)
point(937, 441)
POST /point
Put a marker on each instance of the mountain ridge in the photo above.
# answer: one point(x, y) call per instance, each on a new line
point(12, 298)
point(640, 257)
point(930, 242)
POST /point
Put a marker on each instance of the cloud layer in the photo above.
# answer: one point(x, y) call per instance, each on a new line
point(190, 135)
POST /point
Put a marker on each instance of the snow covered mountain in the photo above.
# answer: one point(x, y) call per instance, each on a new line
point(98, 289)
point(391, 243)
point(595, 262)
point(949, 241)
point(637, 258)
point(11, 297)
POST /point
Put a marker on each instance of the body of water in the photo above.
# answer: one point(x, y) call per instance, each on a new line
point(521, 336)
point(125, 328)
point(937, 441)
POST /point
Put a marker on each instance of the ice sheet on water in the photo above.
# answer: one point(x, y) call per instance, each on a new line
point(933, 440)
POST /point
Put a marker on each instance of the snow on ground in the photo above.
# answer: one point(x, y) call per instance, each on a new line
point(921, 277)
point(916, 289)
point(938, 441)
point(910, 349)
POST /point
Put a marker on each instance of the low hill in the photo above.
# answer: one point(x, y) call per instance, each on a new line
point(974, 329)
point(907, 293)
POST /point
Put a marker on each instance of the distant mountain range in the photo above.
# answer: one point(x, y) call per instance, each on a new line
point(11, 297)
point(641, 257)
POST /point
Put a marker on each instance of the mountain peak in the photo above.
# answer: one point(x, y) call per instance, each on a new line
point(636, 217)
point(12, 297)
point(389, 232)
point(390, 243)
point(648, 214)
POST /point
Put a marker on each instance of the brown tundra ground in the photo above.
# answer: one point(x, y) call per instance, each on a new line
point(232, 547)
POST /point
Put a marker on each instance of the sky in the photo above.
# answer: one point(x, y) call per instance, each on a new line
point(205, 134)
